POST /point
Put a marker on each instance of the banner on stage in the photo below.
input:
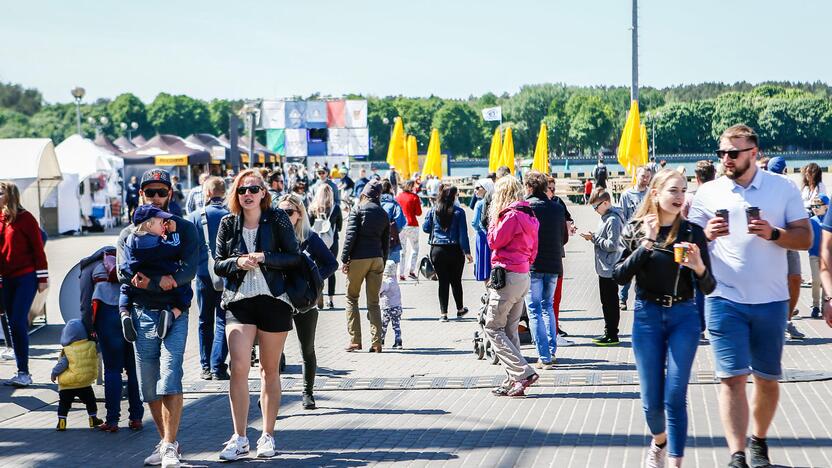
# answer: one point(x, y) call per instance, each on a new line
point(273, 114)
point(359, 141)
point(296, 142)
point(356, 113)
point(339, 142)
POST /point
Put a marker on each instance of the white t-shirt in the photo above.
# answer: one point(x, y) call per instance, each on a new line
point(748, 269)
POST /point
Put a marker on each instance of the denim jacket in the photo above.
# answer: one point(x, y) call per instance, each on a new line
point(456, 234)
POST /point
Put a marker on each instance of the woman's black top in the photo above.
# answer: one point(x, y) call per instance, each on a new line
point(275, 238)
point(656, 272)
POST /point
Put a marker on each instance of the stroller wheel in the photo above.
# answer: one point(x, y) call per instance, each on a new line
point(489, 351)
point(479, 349)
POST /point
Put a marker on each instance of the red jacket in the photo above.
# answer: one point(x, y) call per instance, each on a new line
point(411, 207)
point(21, 248)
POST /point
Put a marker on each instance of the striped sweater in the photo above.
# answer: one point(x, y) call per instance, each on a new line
point(21, 248)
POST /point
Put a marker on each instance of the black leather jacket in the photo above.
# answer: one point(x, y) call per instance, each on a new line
point(275, 238)
point(550, 235)
point(655, 270)
point(368, 233)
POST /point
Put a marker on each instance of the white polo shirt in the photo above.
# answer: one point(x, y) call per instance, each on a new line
point(748, 269)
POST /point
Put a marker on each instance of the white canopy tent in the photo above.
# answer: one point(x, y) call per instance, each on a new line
point(32, 165)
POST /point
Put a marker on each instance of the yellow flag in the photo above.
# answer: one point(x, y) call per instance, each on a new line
point(433, 161)
point(412, 155)
point(494, 154)
point(507, 152)
point(541, 151)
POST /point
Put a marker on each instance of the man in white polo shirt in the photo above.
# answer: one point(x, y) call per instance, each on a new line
point(747, 311)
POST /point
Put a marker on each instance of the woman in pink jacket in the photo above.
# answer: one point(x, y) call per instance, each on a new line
point(512, 237)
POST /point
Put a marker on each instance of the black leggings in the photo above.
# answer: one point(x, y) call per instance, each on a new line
point(331, 280)
point(305, 324)
point(608, 291)
point(85, 394)
point(448, 261)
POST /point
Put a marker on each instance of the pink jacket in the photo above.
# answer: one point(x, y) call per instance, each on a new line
point(513, 238)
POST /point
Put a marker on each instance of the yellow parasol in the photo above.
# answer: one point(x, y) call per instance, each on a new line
point(396, 150)
point(507, 152)
point(412, 155)
point(433, 161)
point(494, 154)
point(541, 151)
point(632, 149)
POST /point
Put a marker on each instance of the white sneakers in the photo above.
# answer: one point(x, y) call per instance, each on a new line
point(20, 380)
point(563, 342)
point(265, 446)
point(7, 354)
point(655, 456)
point(236, 447)
point(162, 451)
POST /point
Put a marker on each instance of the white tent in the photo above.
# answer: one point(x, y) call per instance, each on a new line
point(32, 165)
point(79, 155)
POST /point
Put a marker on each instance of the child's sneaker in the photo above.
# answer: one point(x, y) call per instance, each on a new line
point(61, 424)
point(95, 422)
point(127, 328)
point(165, 322)
point(107, 427)
point(397, 344)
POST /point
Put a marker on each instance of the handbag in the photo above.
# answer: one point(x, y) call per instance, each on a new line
point(497, 280)
point(216, 280)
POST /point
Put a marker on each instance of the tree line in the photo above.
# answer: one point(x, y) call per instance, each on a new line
point(582, 121)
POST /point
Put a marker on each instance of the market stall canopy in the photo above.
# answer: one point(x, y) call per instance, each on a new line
point(79, 155)
point(243, 150)
point(139, 140)
point(104, 142)
point(124, 144)
point(264, 155)
point(32, 165)
point(168, 150)
point(220, 150)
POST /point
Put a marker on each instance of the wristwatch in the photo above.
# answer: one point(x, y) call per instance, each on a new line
point(775, 234)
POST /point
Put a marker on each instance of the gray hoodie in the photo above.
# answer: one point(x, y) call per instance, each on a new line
point(607, 241)
point(73, 331)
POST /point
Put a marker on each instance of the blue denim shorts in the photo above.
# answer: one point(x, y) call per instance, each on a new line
point(158, 362)
point(747, 338)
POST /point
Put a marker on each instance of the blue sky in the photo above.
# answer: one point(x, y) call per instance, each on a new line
point(448, 48)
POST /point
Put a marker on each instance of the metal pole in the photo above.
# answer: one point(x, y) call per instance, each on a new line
point(78, 114)
point(251, 140)
point(634, 88)
point(653, 135)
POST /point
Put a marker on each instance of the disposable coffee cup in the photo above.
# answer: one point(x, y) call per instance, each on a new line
point(751, 213)
point(725, 217)
point(680, 253)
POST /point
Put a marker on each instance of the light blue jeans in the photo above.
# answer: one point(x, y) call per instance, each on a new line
point(664, 344)
point(542, 322)
point(159, 362)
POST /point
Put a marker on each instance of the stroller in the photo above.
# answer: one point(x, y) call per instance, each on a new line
point(482, 345)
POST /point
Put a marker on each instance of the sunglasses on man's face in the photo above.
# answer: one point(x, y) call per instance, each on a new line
point(248, 188)
point(817, 207)
point(733, 154)
point(159, 192)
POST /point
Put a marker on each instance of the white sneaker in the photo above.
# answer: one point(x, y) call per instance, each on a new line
point(562, 342)
point(7, 354)
point(655, 456)
point(235, 448)
point(155, 458)
point(20, 380)
point(265, 446)
point(170, 455)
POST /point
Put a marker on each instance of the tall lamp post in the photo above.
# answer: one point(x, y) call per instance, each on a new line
point(129, 129)
point(250, 111)
point(78, 93)
point(102, 122)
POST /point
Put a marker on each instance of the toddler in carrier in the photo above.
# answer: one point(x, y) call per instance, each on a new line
point(75, 372)
point(153, 249)
point(390, 300)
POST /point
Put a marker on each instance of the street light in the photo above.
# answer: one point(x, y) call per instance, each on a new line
point(78, 93)
point(129, 128)
point(102, 122)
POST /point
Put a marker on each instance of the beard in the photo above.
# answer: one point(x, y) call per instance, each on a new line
point(737, 171)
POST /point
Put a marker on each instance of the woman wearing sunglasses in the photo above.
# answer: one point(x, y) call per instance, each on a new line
point(306, 323)
point(255, 245)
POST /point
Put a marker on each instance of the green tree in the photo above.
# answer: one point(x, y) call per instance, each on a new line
point(459, 128)
point(27, 101)
point(127, 108)
point(55, 121)
point(179, 115)
point(418, 117)
point(220, 111)
point(379, 109)
point(558, 132)
point(590, 122)
point(681, 127)
point(13, 124)
point(731, 109)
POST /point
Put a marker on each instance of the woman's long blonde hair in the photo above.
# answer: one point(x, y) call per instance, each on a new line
point(12, 206)
point(650, 205)
point(323, 201)
point(507, 190)
point(302, 228)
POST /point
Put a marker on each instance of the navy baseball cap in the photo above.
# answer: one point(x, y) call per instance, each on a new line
point(145, 212)
point(777, 165)
point(155, 175)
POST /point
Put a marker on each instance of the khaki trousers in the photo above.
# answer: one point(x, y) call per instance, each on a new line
point(502, 316)
point(369, 269)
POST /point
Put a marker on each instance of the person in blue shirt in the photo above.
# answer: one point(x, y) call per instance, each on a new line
point(395, 213)
point(213, 346)
point(449, 248)
point(819, 207)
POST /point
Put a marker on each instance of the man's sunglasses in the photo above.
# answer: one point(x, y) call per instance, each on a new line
point(817, 207)
point(733, 154)
point(248, 188)
point(595, 206)
point(158, 192)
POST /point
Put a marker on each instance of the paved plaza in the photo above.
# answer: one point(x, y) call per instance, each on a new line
point(429, 404)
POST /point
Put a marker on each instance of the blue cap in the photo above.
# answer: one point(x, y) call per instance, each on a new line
point(145, 212)
point(777, 165)
point(155, 175)
point(823, 199)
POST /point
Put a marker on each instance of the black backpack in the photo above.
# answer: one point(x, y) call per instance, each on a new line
point(304, 285)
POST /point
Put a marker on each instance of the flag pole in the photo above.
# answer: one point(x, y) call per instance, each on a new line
point(634, 88)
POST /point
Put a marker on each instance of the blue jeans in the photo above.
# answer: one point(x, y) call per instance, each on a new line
point(624, 292)
point(664, 344)
point(158, 362)
point(213, 346)
point(18, 295)
point(542, 322)
point(118, 356)
point(747, 338)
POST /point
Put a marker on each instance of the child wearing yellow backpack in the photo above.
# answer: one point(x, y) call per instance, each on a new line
point(75, 372)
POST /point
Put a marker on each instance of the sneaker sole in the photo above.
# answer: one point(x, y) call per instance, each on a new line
point(266, 454)
point(239, 455)
point(606, 344)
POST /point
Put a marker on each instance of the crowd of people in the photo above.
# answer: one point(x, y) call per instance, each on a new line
point(262, 247)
